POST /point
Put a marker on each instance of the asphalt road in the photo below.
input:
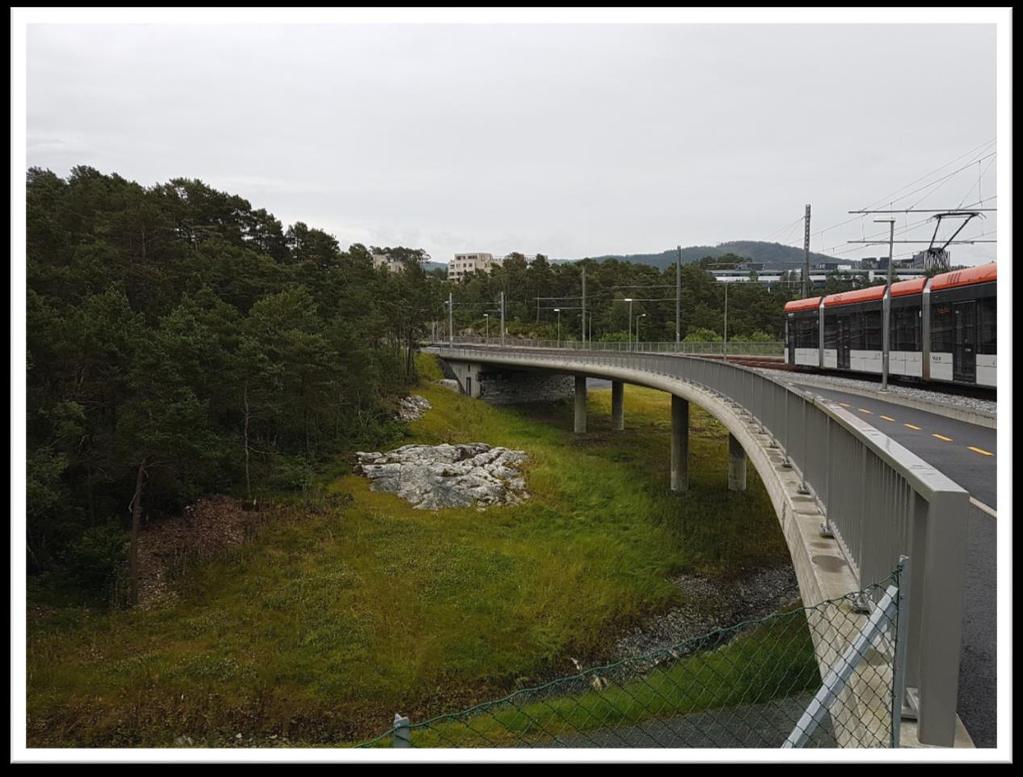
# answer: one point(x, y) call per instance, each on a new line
point(965, 452)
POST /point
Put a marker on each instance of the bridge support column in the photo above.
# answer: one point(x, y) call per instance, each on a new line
point(580, 404)
point(617, 405)
point(679, 444)
point(736, 465)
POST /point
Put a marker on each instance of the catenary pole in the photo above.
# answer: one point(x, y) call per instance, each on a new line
point(886, 304)
point(806, 254)
point(678, 296)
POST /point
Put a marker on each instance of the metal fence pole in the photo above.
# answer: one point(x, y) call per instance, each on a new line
point(402, 732)
point(899, 663)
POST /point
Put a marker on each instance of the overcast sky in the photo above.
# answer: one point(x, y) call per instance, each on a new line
point(568, 140)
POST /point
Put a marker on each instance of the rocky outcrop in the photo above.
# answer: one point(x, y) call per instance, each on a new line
point(432, 477)
point(411, 408)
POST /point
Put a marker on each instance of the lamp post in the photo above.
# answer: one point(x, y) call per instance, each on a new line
point(486, 318)
point(724, 343)
point(886, 303)
point(629, 300)
point(451, 320)
point(558, 311)
point(641, 315)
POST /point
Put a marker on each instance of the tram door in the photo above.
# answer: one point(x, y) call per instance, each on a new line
point(964, 358)
point(843, 342)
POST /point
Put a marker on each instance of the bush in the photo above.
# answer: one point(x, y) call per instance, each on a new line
point(95, 558)
point(702, 335)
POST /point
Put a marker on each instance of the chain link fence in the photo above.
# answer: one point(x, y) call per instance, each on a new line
point(821, 676)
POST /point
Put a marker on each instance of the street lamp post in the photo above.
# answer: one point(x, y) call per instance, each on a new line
point(558, 311)
point(641, 315)
point(486, 318)
point(886, 304)
point(629, 300)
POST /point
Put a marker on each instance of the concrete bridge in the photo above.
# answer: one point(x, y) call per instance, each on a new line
point(851, 503)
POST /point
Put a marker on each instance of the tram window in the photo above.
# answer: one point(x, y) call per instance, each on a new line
point(906, 329)
point(872, 330)
point(943, 328)
point(856, 331)
point(831, 331)
point(807, 333)
point(986, 313)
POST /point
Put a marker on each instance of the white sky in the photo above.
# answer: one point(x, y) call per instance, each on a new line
point(568, 140)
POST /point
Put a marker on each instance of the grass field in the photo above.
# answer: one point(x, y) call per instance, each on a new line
point(329, 622)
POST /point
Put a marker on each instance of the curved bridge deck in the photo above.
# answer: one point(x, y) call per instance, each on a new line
point(851, 502)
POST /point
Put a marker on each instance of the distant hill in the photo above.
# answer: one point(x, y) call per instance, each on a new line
point(770, 254)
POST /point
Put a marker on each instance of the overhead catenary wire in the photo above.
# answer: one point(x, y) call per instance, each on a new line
point(888, 197)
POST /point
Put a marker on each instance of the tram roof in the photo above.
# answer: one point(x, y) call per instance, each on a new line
point(811, 303)
point(984, 273)
point(851, 297)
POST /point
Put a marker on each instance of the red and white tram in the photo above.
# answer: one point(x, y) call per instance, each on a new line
point(941, 329)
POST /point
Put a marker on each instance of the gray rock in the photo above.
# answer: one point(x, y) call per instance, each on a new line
point(432, 477)
point(411, 408)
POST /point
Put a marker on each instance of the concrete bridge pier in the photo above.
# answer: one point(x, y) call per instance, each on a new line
point(679, 444)
point(617, 406)
point(580, 404)
point(736, 465)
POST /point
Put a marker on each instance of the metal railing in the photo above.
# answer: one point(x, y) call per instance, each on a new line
point(880, 501)
point(731, 348)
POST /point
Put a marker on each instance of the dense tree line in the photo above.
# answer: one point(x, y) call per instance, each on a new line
point(533, 290)
point(181, 342)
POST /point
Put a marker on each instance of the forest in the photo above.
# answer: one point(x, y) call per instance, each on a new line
point(181, 343)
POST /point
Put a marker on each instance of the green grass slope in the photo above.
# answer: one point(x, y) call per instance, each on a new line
point(330, 621)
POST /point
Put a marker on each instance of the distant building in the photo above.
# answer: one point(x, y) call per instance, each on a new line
point(385, 261)
point(464, 264)
point(818, 277)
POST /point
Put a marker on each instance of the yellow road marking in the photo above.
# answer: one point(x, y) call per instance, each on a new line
point(887, 418)
point(845, 404)
point(864, 411)
point(911, 426)
point(981, 451)
point(942, 437)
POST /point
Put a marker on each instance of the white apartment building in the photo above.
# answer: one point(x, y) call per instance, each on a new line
point(468, 263)
point(385, 261)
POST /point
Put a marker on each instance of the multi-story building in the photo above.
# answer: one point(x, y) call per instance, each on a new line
point(385, 261)
point(464, 264)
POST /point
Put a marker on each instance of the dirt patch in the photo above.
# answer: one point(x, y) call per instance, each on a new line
point(205, 530)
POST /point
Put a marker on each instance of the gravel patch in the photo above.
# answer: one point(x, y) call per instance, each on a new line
point(711, 605)
point(937, 399)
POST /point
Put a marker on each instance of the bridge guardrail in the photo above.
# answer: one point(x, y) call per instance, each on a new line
point(880, 501)
point(731, 348)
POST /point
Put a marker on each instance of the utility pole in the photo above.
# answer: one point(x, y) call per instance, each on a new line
point(502, 319)
point(584, 307)
point(558, 311)
point(678, 296)
point(806, 254)
point(451, 321)
point(886, 303)
point(725, 343)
